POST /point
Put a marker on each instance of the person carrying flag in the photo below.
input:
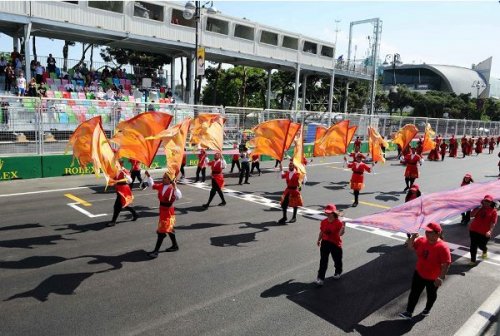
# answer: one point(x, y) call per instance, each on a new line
point(168, 193)
point(453, 146)
point(466, 181)
point(291, 196)
point(485, 219)
point(358, 168)
point(217, 165)
point(411, 173)
point(202, 166)
point(124, 195)
point(135, 172)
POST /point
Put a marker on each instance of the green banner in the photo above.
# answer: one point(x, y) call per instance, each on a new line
point(20, 167)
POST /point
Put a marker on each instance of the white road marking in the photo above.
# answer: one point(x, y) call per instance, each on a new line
point(85, 212)
point(41, 192)
point(478, 321)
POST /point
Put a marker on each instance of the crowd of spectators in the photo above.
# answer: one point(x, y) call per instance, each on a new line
point(106, 84)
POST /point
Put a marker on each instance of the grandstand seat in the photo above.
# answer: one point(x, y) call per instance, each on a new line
point(90, 95)
point(64, 81)
point(116, 81)
point(53, 75)
point(72, 118)
point(57, 81)
point(74, 95)
point(54, 87)
point(58, 94)
point(123, 82)
point(80, 82)
point(66, 94)
point(125, 98)
point(92, 110)
point(50, 81)
point(50, 94)
point(63, 118)
point(61, 88)
point(81, 95)
point(102, 103)
point(71, 102)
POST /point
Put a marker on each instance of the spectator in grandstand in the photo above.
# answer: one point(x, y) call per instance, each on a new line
point(51, 64)
point(42, 92)
point(14, 55)
point(4, 105)
point(32, 68)
point(118, 114)
point(84, 70)
point(18, 66)
point(9, 77)
point(100, 93)
point(168, 94)
point(39, 70)
point(3, 65)
point(151, 107)
point(32, 88)
point(105, 73)
point(110, 94)
point(21, 85)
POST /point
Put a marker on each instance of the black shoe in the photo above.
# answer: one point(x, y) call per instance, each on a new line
point(293, 220)
point(426, 312)
point(134, 218)
point(205, 206)
point(406, 188)
point(406, 315)
point(153, 255)
point(172, 248)
point(282, 220)
point(222, 203)
point(247, 182)
point(355, 204)
point(240, 183)
point(111, 224)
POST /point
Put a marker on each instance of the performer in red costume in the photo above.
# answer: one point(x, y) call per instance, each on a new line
point(124, 195)
point(453, 146)
point(291, 196)
point(217, 165)
point(202, 166)
point(168, 193)
point(411, 173)
point(358, 168)
point(442, 148)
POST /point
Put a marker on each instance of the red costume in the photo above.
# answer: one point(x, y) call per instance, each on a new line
point(412, 160)
point(492, 145)
point(470, 147)
point(166, 196)
point(357, 145)
point(442, 149)
point(217, 174)
point(292, 189)
point(479, 145)
point(464, 144)
point(434, 153)
point(357, 178)
point(123, 189)
point(453, 146)
point(202, 159)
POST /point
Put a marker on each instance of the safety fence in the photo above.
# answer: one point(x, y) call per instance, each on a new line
point(43, 126)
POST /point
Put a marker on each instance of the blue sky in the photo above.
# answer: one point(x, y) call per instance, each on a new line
point(446, 32)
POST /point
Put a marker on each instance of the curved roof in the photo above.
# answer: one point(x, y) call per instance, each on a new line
point(458, 79)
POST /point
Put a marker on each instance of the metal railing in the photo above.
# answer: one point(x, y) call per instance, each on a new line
point(33, 126)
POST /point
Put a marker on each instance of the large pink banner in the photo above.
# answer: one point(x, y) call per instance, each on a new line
point(409, 217)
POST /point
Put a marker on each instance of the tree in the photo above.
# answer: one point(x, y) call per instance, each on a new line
point(65, 52)
point(147, 62)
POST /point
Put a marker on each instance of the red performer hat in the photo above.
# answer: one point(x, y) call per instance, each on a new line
point(359, 155)
point(433, 227)
point(331, 208)
point(488, 198)
point(415, 187)
point(468, 175)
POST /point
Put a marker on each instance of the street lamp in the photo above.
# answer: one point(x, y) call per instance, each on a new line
point(478, 85)
point(192, 10)
point(396, 60)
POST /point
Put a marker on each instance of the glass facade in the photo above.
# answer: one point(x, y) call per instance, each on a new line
point(414, 79)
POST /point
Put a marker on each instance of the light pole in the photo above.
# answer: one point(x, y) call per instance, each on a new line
point(192, 10)
point(396, 60)
point(478, 85)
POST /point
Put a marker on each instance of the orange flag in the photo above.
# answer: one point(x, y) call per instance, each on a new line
point(298, 155)
point(375, 141)
point(428, 143)
point(405, 135)
point(130, 136)
point(208, 131)
point(104, 157)
point(81, 141)
point(320, 132)
point(350, 134)
point(174, 139)
point(273, 137)
point(334, 141)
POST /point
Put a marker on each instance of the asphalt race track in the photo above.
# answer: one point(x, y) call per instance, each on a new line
point(64, 272)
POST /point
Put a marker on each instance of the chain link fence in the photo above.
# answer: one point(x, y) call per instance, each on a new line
point(31, 126)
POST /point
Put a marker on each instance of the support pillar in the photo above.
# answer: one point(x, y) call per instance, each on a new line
point(304, 84)
point(189, 80)
point(330, 97)
point(346, 96)
point(297, 82)
point(268, 95)
point(27, 54)
point(172, 75)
